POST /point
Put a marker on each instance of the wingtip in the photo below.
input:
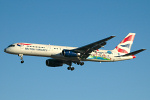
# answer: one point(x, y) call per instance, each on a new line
point(113, 36)
point(143, 49)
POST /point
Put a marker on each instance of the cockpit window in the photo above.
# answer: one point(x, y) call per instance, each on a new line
point(11, 45)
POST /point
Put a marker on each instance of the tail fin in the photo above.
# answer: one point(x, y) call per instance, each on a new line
point(125, 45)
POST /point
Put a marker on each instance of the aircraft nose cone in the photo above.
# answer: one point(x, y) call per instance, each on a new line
point(4, 50)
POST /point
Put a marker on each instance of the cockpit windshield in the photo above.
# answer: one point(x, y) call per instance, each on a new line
point(11, 45)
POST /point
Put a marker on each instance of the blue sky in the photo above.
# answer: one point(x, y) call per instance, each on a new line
point(74, 23)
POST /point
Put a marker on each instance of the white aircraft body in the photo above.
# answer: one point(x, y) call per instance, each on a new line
point(68, 55)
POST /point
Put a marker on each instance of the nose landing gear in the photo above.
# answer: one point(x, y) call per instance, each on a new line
point(21, 57)
point(22, 61)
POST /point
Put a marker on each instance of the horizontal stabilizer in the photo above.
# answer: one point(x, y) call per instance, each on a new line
point(134, 53)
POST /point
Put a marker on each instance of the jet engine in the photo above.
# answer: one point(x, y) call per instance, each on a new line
point(54, 63)
point(70, 53)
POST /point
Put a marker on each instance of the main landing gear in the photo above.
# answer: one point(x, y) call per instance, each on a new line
point(21, 57)
point(79, 63)
point(70, 68)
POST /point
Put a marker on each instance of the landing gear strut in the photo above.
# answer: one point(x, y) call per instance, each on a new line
point(21, 57)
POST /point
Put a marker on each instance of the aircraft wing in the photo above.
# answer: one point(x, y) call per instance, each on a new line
point(87, 49)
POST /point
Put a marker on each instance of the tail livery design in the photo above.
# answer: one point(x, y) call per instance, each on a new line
point(125, 45)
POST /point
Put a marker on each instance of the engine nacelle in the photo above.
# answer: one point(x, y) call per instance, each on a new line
point(70, 53)
point(54, 63)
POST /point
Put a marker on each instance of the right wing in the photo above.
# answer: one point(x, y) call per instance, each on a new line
point(87, 49)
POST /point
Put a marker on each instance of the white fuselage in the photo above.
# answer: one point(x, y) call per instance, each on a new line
point(55, 52)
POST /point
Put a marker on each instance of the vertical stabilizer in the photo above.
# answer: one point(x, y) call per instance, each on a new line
point(125, 45)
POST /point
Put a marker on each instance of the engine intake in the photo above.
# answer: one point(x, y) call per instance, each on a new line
point(54, 63)
point(70, 53)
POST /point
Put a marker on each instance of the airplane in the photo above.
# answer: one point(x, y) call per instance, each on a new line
point(67, 55)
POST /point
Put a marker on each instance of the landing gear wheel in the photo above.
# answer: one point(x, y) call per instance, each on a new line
point(21, 57)
point(82, 63)
point(69, 68)
point(72, 68)
point(22, 61)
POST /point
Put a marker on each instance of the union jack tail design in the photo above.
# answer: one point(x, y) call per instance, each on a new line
point(125, 45)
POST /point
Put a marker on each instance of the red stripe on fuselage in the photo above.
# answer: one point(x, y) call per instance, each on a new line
point(24, 44)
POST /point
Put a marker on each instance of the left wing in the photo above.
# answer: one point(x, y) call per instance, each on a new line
point(87, 49)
